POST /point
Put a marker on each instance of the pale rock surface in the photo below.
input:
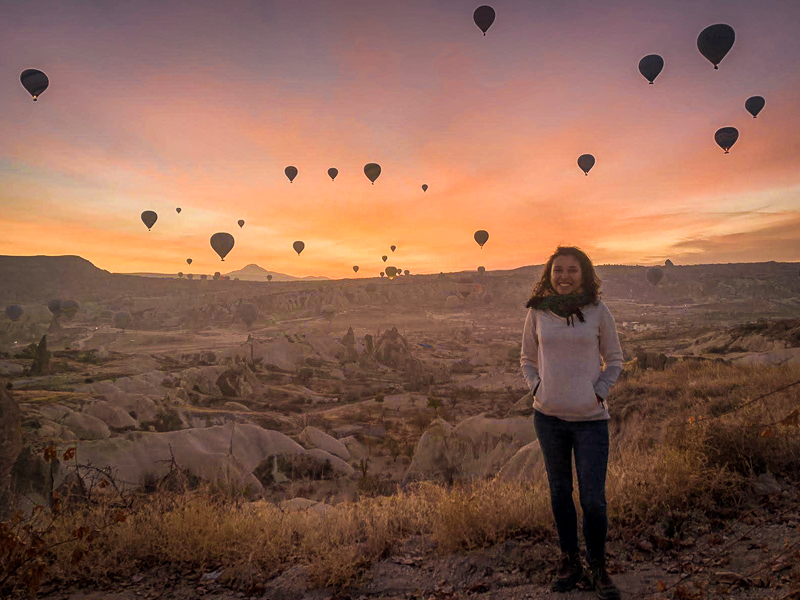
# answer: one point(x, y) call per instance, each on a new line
point(204, 452)
point(478, 447)
point(54, 412)
point(9, 368)
point(526, 465)
point(341, 468)
point(523, 407)
point(357, 450)
point(235, 406)
point(305, 505)
point(238, 381)
point(51, 432)
point(201, 379)
point(785, 356)
point(311, 437)
point(86, 427)
point(113, 416)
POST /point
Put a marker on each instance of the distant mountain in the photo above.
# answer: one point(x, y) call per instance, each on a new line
point(253, 272)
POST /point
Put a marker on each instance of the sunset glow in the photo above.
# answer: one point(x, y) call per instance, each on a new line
point(202, 105)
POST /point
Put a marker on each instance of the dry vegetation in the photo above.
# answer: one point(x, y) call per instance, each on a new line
point(687, 445)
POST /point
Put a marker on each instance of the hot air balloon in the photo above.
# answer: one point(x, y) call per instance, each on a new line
point(483, 17)
point(384, 258)
point(481, 237)
point(372, 171)
point(382, 274)
point(650, 66)
point(122, 319)
point(291, 173)
point(726, 137)
point(178, 210)
point(14, 312)
point(70, 308)
point(240, 222)
point(392, 248)
point(190, 276)
point(391, 272)
point(586, 162)
point(298, 247)
point(754, 104)
point(222, 243)
point(355, 268)
point(269, 277)
point(188, 261)
point(481, 270)
point(149, 218)
point(203, 276)
point(406, 272)
point(34, 81)
point(654, 275)
point(332, 173)
point(217, 275)
point(715, 41)
point(424, 187)
point(54, 306)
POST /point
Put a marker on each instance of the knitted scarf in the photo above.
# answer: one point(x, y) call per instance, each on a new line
point(564, 305)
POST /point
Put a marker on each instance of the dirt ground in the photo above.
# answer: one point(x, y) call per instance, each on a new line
point(757, 557)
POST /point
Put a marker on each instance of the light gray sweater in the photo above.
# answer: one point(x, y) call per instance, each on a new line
point(562, 363)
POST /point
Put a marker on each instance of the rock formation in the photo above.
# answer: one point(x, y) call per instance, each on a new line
point(10, 448)
point(41, 360)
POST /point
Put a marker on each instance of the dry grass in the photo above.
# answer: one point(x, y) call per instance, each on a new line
point(660, 464)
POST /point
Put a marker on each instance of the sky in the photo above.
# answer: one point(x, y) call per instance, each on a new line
point(201, 105)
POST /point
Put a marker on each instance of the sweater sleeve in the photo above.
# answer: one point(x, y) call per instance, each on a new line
point(529, 357)
point(611, 351)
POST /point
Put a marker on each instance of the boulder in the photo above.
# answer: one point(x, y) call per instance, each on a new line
point(54, 412)
point(32, 480)
point(115, 417)
point(526, 465)
point(238, 381)
point(50, 432)
point(340, 467)
point(9, 368)
point(478, 447)
point(523, 407)
point(357, 450)
point(311, 437)
point(10, 448)
point(201, 379)
point(226, 454)
point(305, 505)
point(87, 427)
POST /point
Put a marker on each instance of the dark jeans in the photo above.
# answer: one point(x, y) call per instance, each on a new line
point(589, 440)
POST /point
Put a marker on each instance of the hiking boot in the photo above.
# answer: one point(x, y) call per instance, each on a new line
point(570, 572)
point(601, 582)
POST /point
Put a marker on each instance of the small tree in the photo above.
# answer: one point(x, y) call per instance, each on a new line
point(434, 403)
point(394, 448)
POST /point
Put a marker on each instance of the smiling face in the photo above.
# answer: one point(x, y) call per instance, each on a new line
point(566, 275)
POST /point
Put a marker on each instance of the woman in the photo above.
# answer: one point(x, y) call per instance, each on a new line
point(561, 361)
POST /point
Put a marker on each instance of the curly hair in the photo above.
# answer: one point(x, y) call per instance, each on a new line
point(589, 280)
